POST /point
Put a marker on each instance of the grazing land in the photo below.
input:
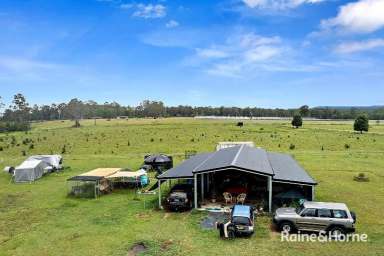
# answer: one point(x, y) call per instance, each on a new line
point(39, 219)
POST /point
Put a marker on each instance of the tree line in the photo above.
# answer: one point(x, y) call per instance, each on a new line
point(18, 115)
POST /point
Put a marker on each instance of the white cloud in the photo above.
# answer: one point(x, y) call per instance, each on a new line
point(240, 53)
point(363, 16)
point(211, 53)
point(149, 11)
point(24, 65)
point(172, 24)
point(127, 6)
point(261, 53)
point(278, 4)
point(358, 46)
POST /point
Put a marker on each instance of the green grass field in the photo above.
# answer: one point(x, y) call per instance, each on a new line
point(39, 219)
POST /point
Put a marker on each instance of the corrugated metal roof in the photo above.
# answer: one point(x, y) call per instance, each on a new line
point(185, 169)
point(281, 166)
point(287, 169)
point(254, 159)
point(219, 159)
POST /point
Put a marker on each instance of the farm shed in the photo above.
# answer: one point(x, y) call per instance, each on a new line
point(242, 169)
point(91, 184)
point(30, 170)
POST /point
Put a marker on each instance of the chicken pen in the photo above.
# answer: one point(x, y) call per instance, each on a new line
point(91, 184)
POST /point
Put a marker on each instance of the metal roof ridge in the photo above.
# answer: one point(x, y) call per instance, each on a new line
point(269, 162)
point(212, 154)
point(237, 155)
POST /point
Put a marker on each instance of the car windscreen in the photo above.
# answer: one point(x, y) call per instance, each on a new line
point(299, 209)
point(237, 220)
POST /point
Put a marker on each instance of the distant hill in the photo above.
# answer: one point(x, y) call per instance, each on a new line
point(367, 108)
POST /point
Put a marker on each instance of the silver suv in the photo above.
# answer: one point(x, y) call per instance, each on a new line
point(333, 218)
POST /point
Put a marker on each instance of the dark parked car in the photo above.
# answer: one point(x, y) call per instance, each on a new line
point(180, 197)
point(241, 223)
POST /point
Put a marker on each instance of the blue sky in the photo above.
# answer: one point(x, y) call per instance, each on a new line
point(263, 53)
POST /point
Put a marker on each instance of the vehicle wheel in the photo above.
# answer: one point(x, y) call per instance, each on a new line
point(336, 232)
point(231, 232)
point(287, 227)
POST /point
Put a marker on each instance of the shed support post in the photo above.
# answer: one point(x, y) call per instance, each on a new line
point(207, 182)
point(195, 190)
point(313, 193)
point(270, 194)
point(202, 187)
point(159, 184)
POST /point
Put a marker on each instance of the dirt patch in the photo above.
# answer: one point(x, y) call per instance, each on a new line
point(74, 236)
point(166, 244)
point(143, 215)
point(137, 248)
point(166, 215)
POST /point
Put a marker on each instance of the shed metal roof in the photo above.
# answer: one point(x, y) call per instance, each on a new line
point(287, 169)
point(281, 167)
point(185, 169)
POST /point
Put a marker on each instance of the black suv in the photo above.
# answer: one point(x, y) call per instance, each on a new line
point(241, 223)
point(180, 197)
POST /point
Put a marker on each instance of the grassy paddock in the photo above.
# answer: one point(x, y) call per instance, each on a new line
point(38, 218)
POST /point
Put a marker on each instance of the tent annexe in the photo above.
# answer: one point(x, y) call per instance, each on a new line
point(272, 170)
point(30, 170)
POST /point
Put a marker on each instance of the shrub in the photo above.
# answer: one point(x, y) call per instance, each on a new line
point(14, 126)
point(297, 121)
point(1, 148)
point(361, 177)
point(26, 141)
point(31, 146)
point(292, 146)
point(347, 146)
point(63, 150)
point(23, 153)
point(152, 139)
